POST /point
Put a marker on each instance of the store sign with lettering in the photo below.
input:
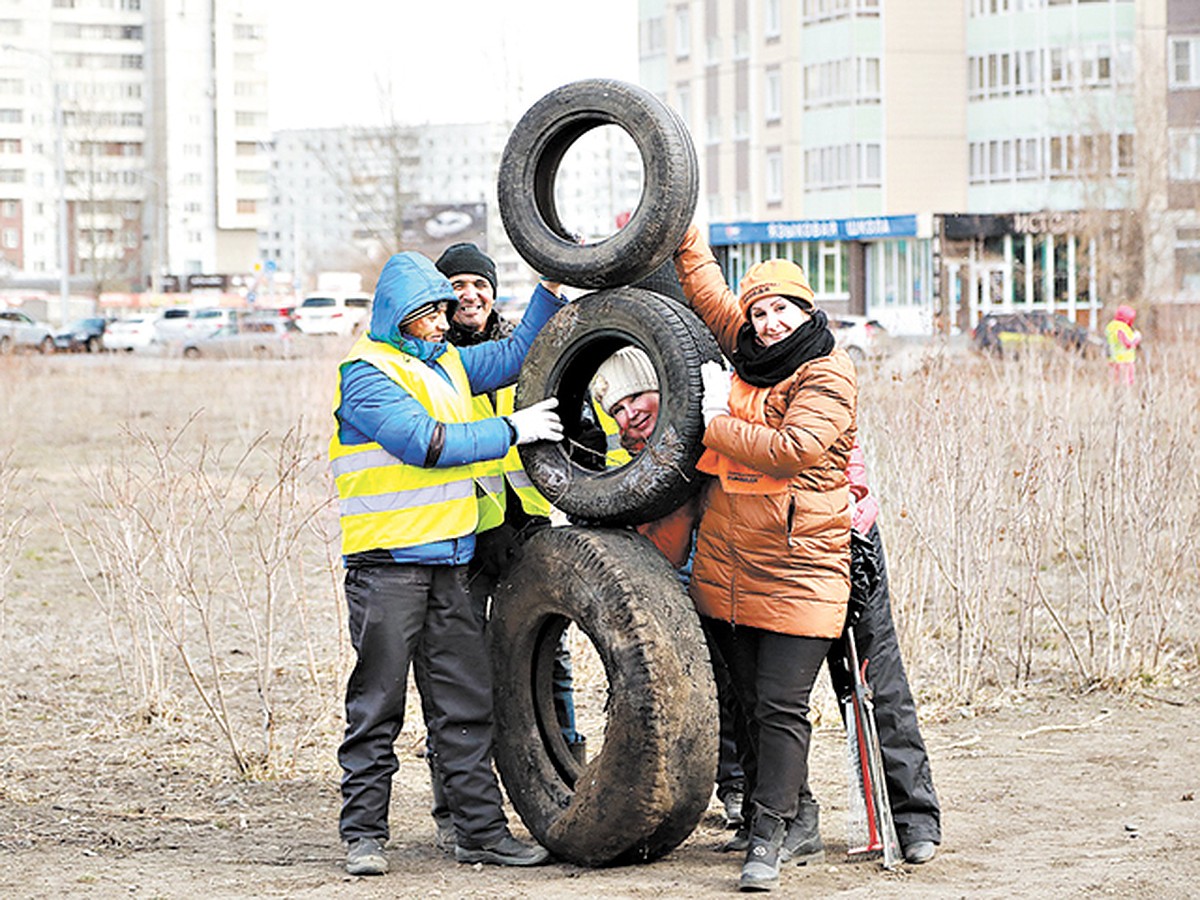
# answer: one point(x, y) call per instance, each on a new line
point(859, 229)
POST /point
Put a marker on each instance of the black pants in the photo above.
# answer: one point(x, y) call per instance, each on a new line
point(397, 613)
point(772, 677)
point(913, 800)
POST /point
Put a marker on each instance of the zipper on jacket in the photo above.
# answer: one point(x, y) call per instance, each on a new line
point(791, 519)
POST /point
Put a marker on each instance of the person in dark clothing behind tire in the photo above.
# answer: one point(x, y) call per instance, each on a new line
point(510, 507)
point(914, 801)
point(403, 456)
point(771, 573)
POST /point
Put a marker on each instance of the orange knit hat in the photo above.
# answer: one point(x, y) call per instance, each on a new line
point(775, 278)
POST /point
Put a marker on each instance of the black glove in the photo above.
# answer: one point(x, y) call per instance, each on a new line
point(864, 576)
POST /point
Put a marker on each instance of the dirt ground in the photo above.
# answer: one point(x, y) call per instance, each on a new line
point(1045, 794)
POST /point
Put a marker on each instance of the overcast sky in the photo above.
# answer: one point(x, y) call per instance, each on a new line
point(443, 60)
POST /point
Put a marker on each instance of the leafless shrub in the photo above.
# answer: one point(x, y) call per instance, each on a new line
point(12, 531)
point(1040, 520)
point(206, 562)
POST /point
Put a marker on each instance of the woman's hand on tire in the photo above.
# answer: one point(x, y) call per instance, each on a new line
point(715, 401)
point(537, 423)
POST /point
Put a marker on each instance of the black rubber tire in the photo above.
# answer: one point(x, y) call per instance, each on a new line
point(646, 790)
point(561, 363)
point(529, 167)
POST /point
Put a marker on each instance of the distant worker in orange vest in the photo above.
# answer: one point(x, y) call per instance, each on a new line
point(1123, 340)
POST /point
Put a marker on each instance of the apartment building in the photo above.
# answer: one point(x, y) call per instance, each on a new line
point(927, 163)
point(133, 140)
point(346, 198)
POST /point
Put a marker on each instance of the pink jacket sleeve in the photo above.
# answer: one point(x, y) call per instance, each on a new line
point(866, 508)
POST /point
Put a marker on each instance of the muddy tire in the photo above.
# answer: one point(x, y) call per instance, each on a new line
point(561, 362)
point(529, 168)
point(646, 790)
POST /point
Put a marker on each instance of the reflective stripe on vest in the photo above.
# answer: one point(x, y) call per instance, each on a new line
point(384, 502)
point(490, 476)
point(531, 498)
point(615, 455)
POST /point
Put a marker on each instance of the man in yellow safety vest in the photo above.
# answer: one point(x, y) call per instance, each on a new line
point(407, 453)
point(1123, 340)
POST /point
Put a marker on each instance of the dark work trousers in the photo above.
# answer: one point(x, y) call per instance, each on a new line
point(730, 779)
point(772, 676)
point(905, 761)
point(494, 551)
point(398, 613)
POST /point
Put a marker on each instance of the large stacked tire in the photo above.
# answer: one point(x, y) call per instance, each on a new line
point(651, 782)
point(529, 167)
point(561, 362)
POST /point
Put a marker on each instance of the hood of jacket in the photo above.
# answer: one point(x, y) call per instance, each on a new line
point(408, 281)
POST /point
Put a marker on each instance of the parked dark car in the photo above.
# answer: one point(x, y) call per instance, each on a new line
point(83, 335)
point(1009, 333)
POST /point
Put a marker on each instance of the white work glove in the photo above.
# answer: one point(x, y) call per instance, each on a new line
point(715, 399)
point(538, 422)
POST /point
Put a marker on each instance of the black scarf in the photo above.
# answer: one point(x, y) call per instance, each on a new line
point(766, 366)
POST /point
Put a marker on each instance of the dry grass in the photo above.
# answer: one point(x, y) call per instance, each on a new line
point(1040, 527)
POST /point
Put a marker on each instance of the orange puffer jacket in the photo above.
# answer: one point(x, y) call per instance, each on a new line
point(777, 561)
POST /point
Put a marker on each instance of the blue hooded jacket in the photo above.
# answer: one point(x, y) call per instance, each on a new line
point(375, 408)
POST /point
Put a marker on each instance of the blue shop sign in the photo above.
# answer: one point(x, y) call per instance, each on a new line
point(866, 228)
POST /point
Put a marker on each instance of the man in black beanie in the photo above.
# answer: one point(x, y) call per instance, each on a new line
point(472, 274)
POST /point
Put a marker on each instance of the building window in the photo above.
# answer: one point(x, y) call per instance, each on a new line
point(773, 101)
point(683, 32)
point(651, 37)
point(868, 79)
point(1185, 154)
point(772, 25)
point(1185, 62)
point(12, 240)
point(774, 176)
point(683, 96)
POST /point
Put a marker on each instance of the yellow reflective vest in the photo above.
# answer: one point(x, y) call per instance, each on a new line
point(384, 502)
point(1117, 351)
point(492, 501)
point(614, 454)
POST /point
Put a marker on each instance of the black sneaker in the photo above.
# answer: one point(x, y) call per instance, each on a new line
point(739, 842)
point(365, 857)
point(919, 852)
point(507, 851)
point(732, 802)
point(446, 839)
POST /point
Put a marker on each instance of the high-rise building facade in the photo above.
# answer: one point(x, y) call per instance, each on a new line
point(346, 198)
point(929, 162)
point(133, 140)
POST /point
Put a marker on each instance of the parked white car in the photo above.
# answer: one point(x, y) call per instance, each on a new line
point(131, 333)
point(859, 336)
point(330, 312)
point(258, 338)
point(211, 320)
point(172, 323)
point(21, 331)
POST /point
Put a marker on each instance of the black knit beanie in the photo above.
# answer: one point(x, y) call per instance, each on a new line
point(460, 259)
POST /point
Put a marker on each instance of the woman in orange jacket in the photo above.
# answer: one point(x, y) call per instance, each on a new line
point(771, 575)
